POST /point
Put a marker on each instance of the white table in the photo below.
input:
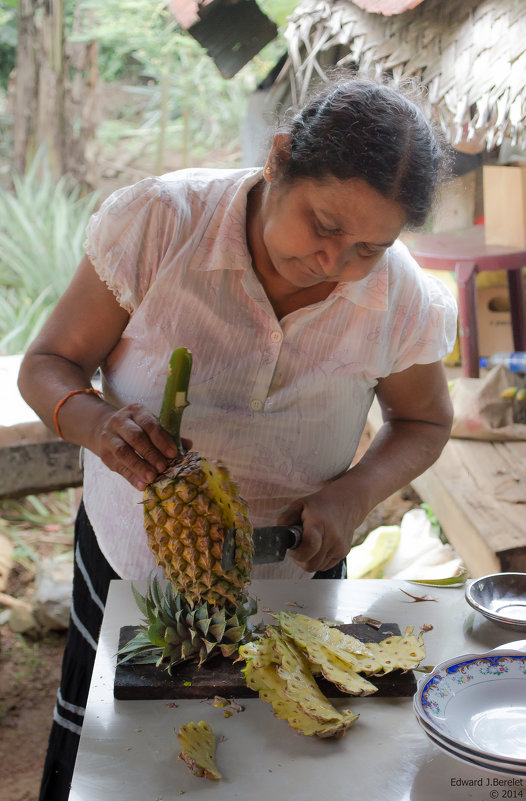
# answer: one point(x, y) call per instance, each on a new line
point(128, 749)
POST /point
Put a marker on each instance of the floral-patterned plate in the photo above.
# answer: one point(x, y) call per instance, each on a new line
point(479, 702)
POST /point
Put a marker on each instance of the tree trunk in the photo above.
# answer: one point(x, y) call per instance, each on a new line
point(55, 91)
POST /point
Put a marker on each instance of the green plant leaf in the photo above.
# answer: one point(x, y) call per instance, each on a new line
point(42, 229)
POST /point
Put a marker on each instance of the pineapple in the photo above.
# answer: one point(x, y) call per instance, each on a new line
point(198, 749)
point(187, 511)
point(189, 507)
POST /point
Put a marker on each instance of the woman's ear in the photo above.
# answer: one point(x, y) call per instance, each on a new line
point(278, 155)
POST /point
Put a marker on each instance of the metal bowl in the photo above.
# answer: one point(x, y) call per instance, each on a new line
point(500, 597)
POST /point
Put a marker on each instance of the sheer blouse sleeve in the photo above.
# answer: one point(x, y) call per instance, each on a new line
point(428, 328)
point(130, 236)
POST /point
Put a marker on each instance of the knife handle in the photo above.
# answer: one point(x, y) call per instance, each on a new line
point(296, 536)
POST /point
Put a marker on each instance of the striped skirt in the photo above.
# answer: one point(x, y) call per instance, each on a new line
point(91, 579)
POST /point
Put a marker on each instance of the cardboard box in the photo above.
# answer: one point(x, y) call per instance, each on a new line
point(494, 320)
point(504, 190)
point(455, 208)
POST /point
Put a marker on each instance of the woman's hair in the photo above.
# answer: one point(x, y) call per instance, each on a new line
point(361, 128)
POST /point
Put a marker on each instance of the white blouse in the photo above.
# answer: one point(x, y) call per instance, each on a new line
point(282, 403)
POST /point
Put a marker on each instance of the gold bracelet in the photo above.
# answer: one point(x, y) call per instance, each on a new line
point(61, 403)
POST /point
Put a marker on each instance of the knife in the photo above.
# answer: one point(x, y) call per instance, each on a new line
point(271, 543)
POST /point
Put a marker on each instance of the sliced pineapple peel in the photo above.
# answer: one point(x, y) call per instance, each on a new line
point(324, 643)
point(281, 665)
point(301, 686)
point(290, 687)
point(340, 673)
point(198, 749)
point(404, 652)
point(306, 630)
point(272, 689)
point(338, 656)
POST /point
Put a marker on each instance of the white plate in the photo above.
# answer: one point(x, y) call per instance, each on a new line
point(478, 701)
point(466, 754)
point(464, 749)
point(472, 760)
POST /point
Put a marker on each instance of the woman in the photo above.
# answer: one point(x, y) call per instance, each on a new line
point(299, 303)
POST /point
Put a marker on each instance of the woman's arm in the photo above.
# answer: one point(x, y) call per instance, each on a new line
point(417, 415)
point(83, 329)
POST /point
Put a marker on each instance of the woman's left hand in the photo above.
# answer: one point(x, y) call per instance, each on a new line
point(329, 518)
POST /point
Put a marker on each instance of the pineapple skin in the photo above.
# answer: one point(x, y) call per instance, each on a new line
point(187, 510)
point(198, 749)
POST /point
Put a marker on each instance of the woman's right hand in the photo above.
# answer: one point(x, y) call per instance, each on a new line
point(131, 442)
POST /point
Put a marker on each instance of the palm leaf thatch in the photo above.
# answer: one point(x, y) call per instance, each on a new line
point(469, 55)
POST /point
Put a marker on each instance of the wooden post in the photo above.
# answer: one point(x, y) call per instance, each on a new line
point(55, 83)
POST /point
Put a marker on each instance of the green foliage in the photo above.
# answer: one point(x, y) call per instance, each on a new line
point(8, 39)
point(278, 10)
point(181, 100)
point(141, 37)
point(42, 229)
point(132, 34)
point(37, 521)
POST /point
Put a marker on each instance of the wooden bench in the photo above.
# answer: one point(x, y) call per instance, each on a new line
point(467, 488)
point(32, 458)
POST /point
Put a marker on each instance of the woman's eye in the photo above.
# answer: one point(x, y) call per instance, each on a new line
point(323, 231)
point(365, 250)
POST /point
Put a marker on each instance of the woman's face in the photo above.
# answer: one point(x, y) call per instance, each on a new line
point(327, 231)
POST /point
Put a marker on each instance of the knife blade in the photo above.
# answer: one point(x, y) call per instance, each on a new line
point(271, 543)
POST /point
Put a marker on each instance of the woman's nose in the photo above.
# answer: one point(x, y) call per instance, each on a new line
point(330, 259)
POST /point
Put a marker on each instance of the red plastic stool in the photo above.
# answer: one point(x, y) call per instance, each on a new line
point(466, 253)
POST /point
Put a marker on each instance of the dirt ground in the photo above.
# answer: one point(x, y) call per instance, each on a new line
point(29, 669)
point(30, 673)
point(29, 676)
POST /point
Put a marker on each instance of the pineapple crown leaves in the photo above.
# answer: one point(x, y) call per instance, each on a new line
point(174, 631)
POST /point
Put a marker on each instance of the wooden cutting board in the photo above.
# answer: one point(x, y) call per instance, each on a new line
point(220, 676)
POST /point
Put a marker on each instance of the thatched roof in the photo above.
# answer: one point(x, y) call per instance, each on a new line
point(470, 54)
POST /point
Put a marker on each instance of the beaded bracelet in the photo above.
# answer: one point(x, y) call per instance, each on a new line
point(61, 403)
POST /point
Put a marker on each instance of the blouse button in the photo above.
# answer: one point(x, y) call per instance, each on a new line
point(256, 405)
point(276, 336)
